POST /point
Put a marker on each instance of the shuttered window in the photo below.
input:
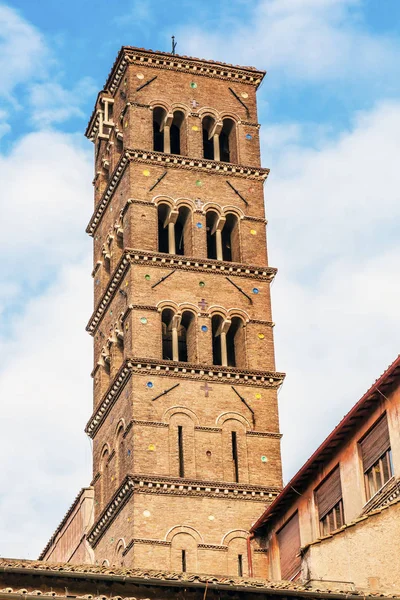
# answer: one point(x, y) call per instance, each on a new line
point(289, 546)
point(376, 457)
point(329, 493)
point(375, 443)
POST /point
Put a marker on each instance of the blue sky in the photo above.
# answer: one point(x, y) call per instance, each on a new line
point(330, 114)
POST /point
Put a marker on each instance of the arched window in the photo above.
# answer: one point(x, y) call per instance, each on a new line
point(183, 232)
point(228, 342)
point(163, 210)
point(235, 344)
point(167, 345)
point(104, 476)
point(187, 338)
point(208, 125)
point(227, 141)
point(118, 451)
point(176, 132)
point(159, 115)
point(211, 225)
point(230, 239)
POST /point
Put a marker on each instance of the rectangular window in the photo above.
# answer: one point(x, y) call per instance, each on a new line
point(180, 452)
point(289, 547)
point(235, 456)
point(377, 457)
point(329, 501)
point(240, 565)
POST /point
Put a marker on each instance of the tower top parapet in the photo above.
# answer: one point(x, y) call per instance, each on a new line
point(175, 62)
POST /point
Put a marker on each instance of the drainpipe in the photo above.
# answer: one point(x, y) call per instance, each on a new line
point(249, 555)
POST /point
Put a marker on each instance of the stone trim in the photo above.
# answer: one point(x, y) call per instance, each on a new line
point(212, 547)
point(270, 434)
point(145, 366)
point(108, 401)
point(174, 261)
point(127, 429)
point(129, 546)
point(95, 478)
point(251, 124)
point(209, 429)
point(174, 161)
point(150, 542)
point(108, 193)
point(146, 484)
point(110, 512)
point(150, 423)
point(261, 550)
point(261, 322)
point(255, 219)
point(111, 457)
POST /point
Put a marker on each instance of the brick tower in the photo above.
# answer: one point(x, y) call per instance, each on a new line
point(186, 443)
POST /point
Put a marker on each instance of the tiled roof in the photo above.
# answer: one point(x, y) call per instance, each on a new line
point(365, 406)
point(151, 577)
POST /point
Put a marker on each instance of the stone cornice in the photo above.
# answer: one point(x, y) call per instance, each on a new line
point(151, 484)
point(194, 372)
point(173, 62)
point(173, 261)
point(173, 161)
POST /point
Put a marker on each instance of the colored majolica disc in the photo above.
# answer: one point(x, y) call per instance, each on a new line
point(244, 95)
point(204, 328)
point(264, 459)
point(149, 384)
point(202, 284)
point(258, 396)
point(253, 232)
point(255, 290)
point(199, 225)
point(195, 128)
point(143, 320)
point(146, 172)
point(193, 85)
point(140, 76)
point(249, 136)
point(199, 183)
point(147, 277)
point(261, 336)
point(152, 447)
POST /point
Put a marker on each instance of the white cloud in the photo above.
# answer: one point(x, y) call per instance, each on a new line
point(23, 51)
point(333, 233)
point(301, 40)
point(51, 103)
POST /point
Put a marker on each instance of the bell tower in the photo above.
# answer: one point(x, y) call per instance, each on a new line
point(186, 442)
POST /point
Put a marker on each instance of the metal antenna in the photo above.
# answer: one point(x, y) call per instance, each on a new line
point(173, 44)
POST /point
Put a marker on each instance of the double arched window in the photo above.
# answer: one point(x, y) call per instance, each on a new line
point(167, 131)
point(219, 139)
point(178, 336)
point(222, 236)
point(175, 229)
point(229, 342)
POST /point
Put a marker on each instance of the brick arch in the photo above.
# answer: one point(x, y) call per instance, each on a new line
point(208, 111)
point(217, 309)
point(173, 410)
point(238, 312)
point(167, 304)
point(187, 202)
point(228, 115)
point(231, 535)
point(234, 210)
point(188, 306)
point(105, 448)
point(163, 199)
point(232, 416)
point(117, 427)
point(159, 104)
point(177, 529)
point(175, 106)
point(214, 207)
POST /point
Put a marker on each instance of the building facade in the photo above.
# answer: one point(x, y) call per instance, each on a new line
point(338, 519)
point(185, 430)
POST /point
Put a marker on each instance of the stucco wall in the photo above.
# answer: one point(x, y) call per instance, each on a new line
point(366, 554)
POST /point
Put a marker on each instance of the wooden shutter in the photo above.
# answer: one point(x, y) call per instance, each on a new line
point(329, 493)
point(289, 546)
point(375, 443)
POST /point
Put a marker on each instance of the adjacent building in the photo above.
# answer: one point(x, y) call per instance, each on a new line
point(338, 519)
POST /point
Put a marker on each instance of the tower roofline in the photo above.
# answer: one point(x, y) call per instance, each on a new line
point(175, 62)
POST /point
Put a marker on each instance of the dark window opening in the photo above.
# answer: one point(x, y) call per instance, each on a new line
point(235, 456)
point(333, 519)
point(377, 475)
point(175, 132)
point(240, 565)
point(180, 452)
point(211, 219)
point(216, 340)
point(230, 238)
point(186, 321)
point(183, 231)
point(167, 316)
point(208, 144)
point(183, 561)
point(376, 456)
point(158, 135)
point(233, 345)
point(226, 140)
point(163, 245)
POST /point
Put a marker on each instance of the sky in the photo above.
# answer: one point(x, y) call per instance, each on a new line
point(330, 114)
